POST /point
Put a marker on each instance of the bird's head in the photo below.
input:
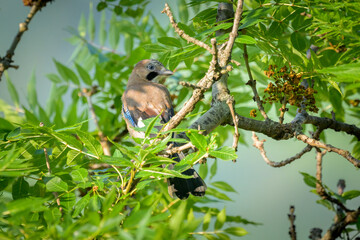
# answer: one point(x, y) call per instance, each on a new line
point(151, 70)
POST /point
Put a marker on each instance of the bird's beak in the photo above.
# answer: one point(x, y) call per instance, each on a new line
point(166, 72)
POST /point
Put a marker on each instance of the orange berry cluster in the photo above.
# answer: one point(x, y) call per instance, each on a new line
point(288, 84)
point(253, 113)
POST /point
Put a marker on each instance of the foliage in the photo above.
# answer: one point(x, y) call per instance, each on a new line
point(40, 162)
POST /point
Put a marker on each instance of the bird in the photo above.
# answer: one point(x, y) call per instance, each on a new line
point(146, 97)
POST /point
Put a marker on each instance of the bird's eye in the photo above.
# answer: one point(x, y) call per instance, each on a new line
point(151, 67)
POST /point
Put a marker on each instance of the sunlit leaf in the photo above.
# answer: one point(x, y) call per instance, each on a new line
point(56, 185)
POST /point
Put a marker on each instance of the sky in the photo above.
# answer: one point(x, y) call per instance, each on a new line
point(264, 194)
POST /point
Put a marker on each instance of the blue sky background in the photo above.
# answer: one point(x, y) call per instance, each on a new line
point(264, 193)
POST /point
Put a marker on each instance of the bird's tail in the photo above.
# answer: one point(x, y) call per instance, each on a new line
point(183, 187)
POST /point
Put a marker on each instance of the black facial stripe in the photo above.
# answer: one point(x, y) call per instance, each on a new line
point(151, 76)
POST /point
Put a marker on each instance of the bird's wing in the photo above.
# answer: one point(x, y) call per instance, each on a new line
point(146, 102)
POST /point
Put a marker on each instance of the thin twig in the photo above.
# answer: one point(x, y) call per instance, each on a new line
point(181, 32)
point(129, 183)
point(259, 144)
point(103, 139)
point(235, 62)
point(191, 85)
point(179, 149)
point(315, 143)
point(230, 103)
point(340, 222)
point(282, 110)
point(6, 61)
point(56, 195)
point(292, 229)
point(225, 59)
point(252, 84)
point(170, 205)
point(319, 187)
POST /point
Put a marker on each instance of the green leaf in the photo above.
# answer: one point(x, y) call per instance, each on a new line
point(225, 153)
point(183, 11)
point(186, 29)
point(52, 215)
point(72, 156)
point(203, 170)
point(30, 117)
point(220, 219)
point(245, 39)
point(178, 217)
point(124, 150)
point(151, 125)
point(309, 180)
point(24, 205)
point(90, 143)
point(213, 169)
point(170, 41)
point(344, 73)
point(66, 73)
point(84, 74)
point(236, 231)
point(135, 217)
point(102, 29)
point(91, 23)
point(223, 186)
point(351, 194)
point(326, 204)
point(81, 204)
point(298, 41)
point(128, 43)
point(118, 161)
point(154, 48)
point(101, 6)
point(20, 188)
point(217, 194)
point(114, 35)
point(32, 96)
point(44, 117)
point(12, 90)
point(214, 29)
point(206, 220)
point(68, 201)
point(79, 175)
point(198, 140)
point(82, 26)
point(56, 185)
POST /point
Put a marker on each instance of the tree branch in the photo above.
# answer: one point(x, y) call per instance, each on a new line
point(6, 61)
point(259, 144)
point(103, 140)
point(181, 32)
point(329, 148)
point(292, 229)
point(252, 84)
point(226, 55)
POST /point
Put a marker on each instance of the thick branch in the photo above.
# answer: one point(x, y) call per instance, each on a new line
point(325, 123)
point(336, 229)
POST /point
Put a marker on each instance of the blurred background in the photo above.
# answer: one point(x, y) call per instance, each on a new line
point(264, 194)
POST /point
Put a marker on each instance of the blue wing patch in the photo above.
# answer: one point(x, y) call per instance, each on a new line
point(128, 117)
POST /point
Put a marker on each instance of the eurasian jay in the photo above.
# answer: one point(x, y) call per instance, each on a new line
point(144, 98)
